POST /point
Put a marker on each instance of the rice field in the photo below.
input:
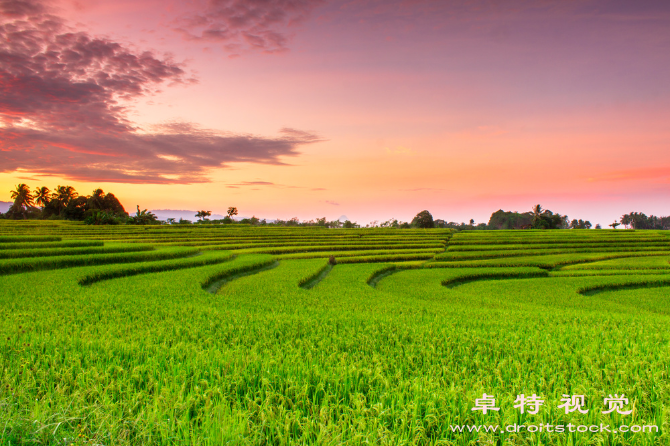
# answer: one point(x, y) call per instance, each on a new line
point(238, 335)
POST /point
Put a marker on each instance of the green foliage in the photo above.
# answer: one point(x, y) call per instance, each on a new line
point(63, 203)
point(144, 218)
point(509, 220)
point(423, 220)
point(97, 217)
point(202, 215)
point(580, 224)
point(548, 220)
point(638, 220)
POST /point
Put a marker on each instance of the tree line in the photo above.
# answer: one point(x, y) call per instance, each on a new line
point(65, 203)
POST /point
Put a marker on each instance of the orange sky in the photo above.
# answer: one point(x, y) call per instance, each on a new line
point(461, 108)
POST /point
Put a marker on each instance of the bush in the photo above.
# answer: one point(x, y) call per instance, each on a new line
point(96, 217)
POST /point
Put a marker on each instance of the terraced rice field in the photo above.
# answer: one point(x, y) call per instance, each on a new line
point(208, 335)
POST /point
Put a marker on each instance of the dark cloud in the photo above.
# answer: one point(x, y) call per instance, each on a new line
point(131, 157)
point(62, 105)
point(20, 8)
point(246, 24)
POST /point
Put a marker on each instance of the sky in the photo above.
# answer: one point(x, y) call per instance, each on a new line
point(373, 109)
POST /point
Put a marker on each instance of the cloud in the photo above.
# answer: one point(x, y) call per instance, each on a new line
point(318, 188)
point(266, 183)
point(332, 202)
point(63, 110)
point(251, 183)
point(240, 25)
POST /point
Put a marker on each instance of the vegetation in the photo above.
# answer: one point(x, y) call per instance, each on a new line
point(143, 218)
point(65, 203)
point(202, 215)
point(231, 212)
point(509, 220)
point(423, 220)
point(105, 209)
point(638, 220)
point(222, 334)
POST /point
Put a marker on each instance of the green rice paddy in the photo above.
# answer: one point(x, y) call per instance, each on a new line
point(237, 335)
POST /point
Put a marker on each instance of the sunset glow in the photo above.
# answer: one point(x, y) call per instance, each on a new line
point(364, 108)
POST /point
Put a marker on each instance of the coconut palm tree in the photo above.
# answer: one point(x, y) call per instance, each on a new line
point(23, 200)
point(232, 211)
point(22, 196)
point(537, 213)
point(42, 196)
point(70, 194)
point(63, 194)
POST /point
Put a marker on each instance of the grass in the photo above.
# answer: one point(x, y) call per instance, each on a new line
point(53, 252)
point(18, 266)
point(192, 346)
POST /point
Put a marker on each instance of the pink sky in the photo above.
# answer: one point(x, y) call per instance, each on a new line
point(364, 108)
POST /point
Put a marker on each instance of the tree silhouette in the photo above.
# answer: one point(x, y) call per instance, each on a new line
point(42, 196)
point(97, 199)
point(232, 211)
point(202, 215)
point(423, 220)
point(22, 196)
point(23, 201)
point(537, 213)
point(144, 217)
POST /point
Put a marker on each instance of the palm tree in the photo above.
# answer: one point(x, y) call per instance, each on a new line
point(70, 194)
point(537, 213)
point(42, 196)
point(22, 196)
point(23, 200)
point(63, 195)
point(537, 210)
point(232, 211)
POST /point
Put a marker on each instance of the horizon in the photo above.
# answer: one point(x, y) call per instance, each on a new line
point(321, 108)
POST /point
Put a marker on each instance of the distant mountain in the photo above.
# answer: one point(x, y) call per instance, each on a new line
point(164, 214)
point(4, 206)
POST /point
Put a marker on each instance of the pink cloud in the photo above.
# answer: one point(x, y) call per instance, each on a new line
point(246, 24)
point(61, 95)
